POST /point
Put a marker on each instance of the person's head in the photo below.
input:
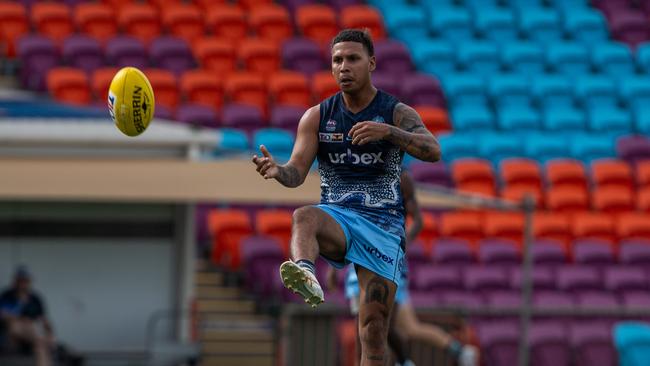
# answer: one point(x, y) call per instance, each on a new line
point(353, 59)
point(22, 279)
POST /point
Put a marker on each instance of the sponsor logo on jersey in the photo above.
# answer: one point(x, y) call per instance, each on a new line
point(350, 157)
point(379, 119)
point(376, 253)
point(330, 137)
point(330, 125)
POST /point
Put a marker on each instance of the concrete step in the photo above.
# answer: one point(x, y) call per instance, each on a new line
point(237, 348)
point(214, 321)
point(243, 360)
point(202, 278)
point(219, 292)
point(218, 335)
point(225, 306)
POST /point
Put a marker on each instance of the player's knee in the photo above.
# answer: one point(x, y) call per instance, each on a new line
point(305, 216)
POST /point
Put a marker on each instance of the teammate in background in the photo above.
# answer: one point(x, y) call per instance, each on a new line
point(359, 136)
point(404, 323)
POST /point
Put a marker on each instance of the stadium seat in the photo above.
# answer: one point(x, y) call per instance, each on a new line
point(596, 91)
point(317, 22)
point(496, 24)
point(589, 147)
point(96, 20)
point(454, 146)
point(522, 172)
point(508, 90)
point(227, 21)
point(248, 88)
point(202, 87)
point(643, 57)
point(289, 88)
point(303, 55)
point(171, 53)
point(433, 56)
point(634, 251)
point(206, 5)
point(258, 55)
point(610, 120)
point(593, 252)
point(613, 58)
point(552, 226)
point(552, 91)
point(406, 21)
point(323, 85)
point(464, 89)
point(227, 228)
point(518, 118)
point(568, 58)
point(518, 193)
point(184, 21)
point(633, 148)
point(643, 174)
point(276, 224)
point(100, 81)
point(435, 119)
point(122, 51)
point(286, 117)
point(454, 251)
point(232, 140)
point(540, 25)
point(13, 25)
point(116, 4)
point(451, 23)
point(634, 91)
point(593, 225)
point(550, 253)
point(497, 147)
point(271, 22)
point(586, 25)
point(526, 58)
point(564, 119)
point(251, 4)
point(425, 172)
point(215, 54)
point(545, 146)
point(242, 116)
point(630, 27)
point(140, 21)
point(611, 173)
point(479, 57)
point(633, 225)
point(436, 278)
point(498, 342)
point(482, 279)
point(567, 199)
point(52, 20)
point(578, 279)
point(623, 279)
point(421, 89)
point(467, 172)
point(165, 84)
point(428, 233)
point(363, 16)
point(68, 85)
point(38, 55)
point(613, 200)
point(566, 173)
point(82, 52)
point(461, 225)
point(198, 115)
point(387, 82)
point(643, 199)
point(260, 255)
point(504, 225)
point(161, 4)
point(542, 276)
point(394, 57)
point(477, 117)
point(279, 141)
point(497, 252)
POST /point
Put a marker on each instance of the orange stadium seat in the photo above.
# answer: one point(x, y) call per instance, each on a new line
point(477, 188)
point(553, 226)
point(611, 172)
point(252, 4)
point(504, 225)
point(468, 172)
point(271, 22)
point(643, 174)
point(289, 88)
point(206, 5)
point(140, 21)
point(259, 55)
point(101, 81)
point(184, 21)
point(317, 22)
point(215, 54)
point(521, 172)
point(227, 228)
point(247, 88)
point(277, 224)
point(165, 85)
point(96, 20)
point(202, 87)
point(613, 200)
point(462, 225)
point(13, 24)
point(566, 172)
point(567, 199)
point(323, 85)
point(52, 20)
point(68, 85)
point(429, 230)
point(643, 199)
point(117, 4)
point(593, 225)
point(633, 225)
point(364, 16)
point(435, 119)
point(162, 4)
point(517, 193)
point(227, 21)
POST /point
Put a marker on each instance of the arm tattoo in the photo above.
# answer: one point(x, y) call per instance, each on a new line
point(376, 357)
point(289, 176)
point(411, 135)
point(377, 291)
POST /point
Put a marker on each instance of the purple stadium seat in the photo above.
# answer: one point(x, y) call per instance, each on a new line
point(578, 278)
point(292, 5)
point(286, 117)
point(425, 172)
point(635, 251)
point(465, 300)
point(304, 55)
point(262, 255)
point(423, 299)
point(633, 148)
point(499, 341)
point(636, 300)
point(416, 255)
point(548, 345)
point(435, 278)
point(543, 278)
point(498, 251)
point(481, 279)
point(387, 82)
point(198, 115)
point(592, 343)
point(629, 27)
point(394, 56)
point(598, 299)
point(83, 52)
point(340, 4)
point(593, 251)
point(124, 51)
point(421, 89)
point(625, 278)
point(171, 53)
point(38, 55)
point(548, 252)
point(241, 116)
point(552, 300)
point(503, 299)
point(163, 112)
point(452, 251)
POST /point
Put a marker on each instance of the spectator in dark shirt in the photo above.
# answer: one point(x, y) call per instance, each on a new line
point(23, 313)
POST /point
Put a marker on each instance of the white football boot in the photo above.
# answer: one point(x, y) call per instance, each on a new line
point(302, 282)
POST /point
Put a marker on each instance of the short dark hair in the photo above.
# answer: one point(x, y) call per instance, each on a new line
point(355, 35)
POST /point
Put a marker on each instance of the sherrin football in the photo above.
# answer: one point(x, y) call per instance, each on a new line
point(131, 101)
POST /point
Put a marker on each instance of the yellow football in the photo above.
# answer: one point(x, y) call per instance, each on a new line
point(131, 101)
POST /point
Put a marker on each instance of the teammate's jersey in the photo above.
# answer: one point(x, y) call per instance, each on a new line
point(363, 178)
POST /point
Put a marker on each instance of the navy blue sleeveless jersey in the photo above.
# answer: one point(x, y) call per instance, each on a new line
point(364, 178)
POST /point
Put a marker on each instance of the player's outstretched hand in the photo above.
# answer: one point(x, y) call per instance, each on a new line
point(266, 165)
point(368, 131)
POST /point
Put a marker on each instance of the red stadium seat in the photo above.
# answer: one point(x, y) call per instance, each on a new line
point(184, 21)
point(227, 21)
point(116, 5)
point(13, 25)
point(206, 5)
point(277, 224)
point(162, 4)
point(363, 16)
point(593, 225)
point(289, 88)
point(165, 87)
point(323, 85)
point(68, 85)
point(521, 172)
point(140, 21)
point(643, 199)
point(249, 5)
point(633, 225)
point(227, 228)
point(317, 22)
point(202, 87)
point(553, 226)
point(259, 55)
point(643, 174)
point(517, 193)
point(462, 225)
point(613, 200)
point(567, 199)
point(271, 22)
point(101, 81)
point(611, 172)
point(473, 172)
point(216, 55)
point(52, 20)
point(504, 225)
point(247, 88)
point(477, 188)
point(435, 119)
point(429, 230)
point(96, 20)
point(566, 172)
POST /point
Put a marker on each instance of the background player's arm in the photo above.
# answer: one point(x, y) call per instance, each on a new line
point(411, 206)
point(293, 173)
point(411, 135)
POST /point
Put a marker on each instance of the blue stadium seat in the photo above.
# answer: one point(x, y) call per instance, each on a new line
point(455, 146)
point(523, 57)
point(569, 58)
point(496, 24)
point(232, 140)
point(613, 58)
point(545, 146)
point(540, 24)
point(564, 118)
point(509, 89)
point(278, 141)
point(518, 118)
point(643, 57)
point(481, 57)
point(450, 22)
point(496, 147)
point(433, 56)
point(585, 25)
point(632, 342)
point(635, 91)
point(595, 91)
point(552, 91)
point(464, 89)
point(565, 5)
point(405, 21)
point(609, 119)
point(472, 118)
point(641, 119)
point(588, 147)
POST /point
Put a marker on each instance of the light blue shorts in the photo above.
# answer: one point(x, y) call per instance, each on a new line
point(367, 245)
point(352, 287)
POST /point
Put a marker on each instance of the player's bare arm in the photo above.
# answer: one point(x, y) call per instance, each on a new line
point(293, 173)
point(411, 206)
point(408, 133)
